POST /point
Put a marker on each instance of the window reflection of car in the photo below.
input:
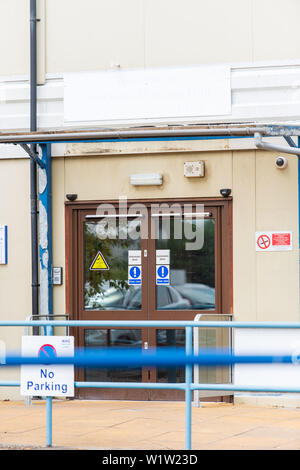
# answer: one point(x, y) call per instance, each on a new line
point(170, 337)
point(114, 338)
point(168, 298)
point(200, 296)
point(110, 298)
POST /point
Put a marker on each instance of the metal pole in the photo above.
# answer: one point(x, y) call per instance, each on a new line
point(276, 148)
point(33, 67)
point(169, 133)
point(49, 421)
point(188, 391)
point(33, 168)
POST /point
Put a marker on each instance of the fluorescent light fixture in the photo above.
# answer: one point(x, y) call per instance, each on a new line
point(144, 179)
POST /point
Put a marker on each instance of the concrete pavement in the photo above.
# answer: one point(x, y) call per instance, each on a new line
point(147, 425)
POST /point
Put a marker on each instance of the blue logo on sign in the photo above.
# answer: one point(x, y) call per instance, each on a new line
point(135, 272)
point(162, 271)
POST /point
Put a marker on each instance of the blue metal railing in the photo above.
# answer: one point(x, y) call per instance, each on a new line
point(188, 386)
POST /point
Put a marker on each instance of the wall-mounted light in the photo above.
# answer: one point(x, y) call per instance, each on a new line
point(146, 179)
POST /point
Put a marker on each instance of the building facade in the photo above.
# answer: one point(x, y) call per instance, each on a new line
point(156, 65)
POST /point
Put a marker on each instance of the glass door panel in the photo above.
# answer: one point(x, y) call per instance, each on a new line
point(112, 286)
point(173, 339)
point(106, 267)
point(113, 338)
point(105, 338)
point(191, 281)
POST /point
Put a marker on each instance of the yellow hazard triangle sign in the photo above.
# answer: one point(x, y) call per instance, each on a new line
point(99, 263)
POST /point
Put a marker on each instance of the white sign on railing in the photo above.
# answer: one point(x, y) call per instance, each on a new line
point(44, 379)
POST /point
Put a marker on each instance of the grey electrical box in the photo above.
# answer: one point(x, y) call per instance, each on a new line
point(57, 276)
point(194, 169)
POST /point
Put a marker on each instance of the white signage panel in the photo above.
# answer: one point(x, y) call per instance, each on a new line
point(3, 244)
point(274, 241)
point(134, 257)
point(44, 379)
point(162, 256)
point(147, 94)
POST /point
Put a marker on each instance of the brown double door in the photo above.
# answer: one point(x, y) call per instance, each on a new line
point(154, 260)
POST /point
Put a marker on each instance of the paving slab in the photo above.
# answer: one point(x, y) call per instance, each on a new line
point(115, 425)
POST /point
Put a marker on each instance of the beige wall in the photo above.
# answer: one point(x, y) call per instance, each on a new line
point(15, 277)
point(264, 198)
point(265, 285)
point(94, 35)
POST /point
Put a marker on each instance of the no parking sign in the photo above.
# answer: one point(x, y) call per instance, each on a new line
point(46, 379)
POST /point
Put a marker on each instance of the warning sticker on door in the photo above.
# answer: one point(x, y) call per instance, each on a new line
point(273, 241)
point(135, 275)
point(99, 263)
point(162, 275)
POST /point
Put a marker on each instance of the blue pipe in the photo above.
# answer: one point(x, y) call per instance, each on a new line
point(177, 386)
point(299, 194)
point(162, 357)
point(49, 421)
point(188, 391)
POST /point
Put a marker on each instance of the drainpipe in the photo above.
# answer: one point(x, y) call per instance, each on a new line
point(33, 167)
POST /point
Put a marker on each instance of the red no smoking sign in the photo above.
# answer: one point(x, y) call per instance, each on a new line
point(263, 242)
point(273, 241)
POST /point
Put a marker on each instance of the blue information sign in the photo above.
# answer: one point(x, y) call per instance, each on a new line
point(135, 275)
point(162, 275)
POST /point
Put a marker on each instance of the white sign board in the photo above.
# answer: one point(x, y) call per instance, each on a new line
point(162, 256)
point(134, 257)
point(46, 379)
point(273, 241)
point(147, 94)
point(3, 244)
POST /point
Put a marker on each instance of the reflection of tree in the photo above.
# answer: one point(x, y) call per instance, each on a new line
point(115, 252)
point(199, 265)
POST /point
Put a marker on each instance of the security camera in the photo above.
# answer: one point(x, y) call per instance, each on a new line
point(281, 162)
point(71, 197)
point(225, 192)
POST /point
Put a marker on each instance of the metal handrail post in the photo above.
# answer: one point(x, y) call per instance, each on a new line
point(49, 403)
point(48, 421)
point(188, 391)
